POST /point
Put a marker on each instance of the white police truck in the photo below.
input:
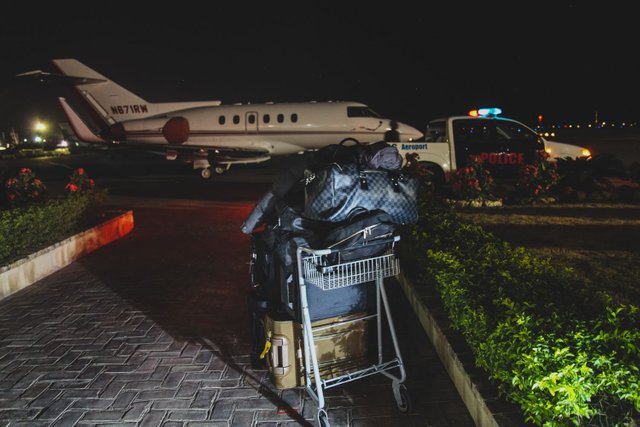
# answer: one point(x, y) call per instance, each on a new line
point(504, 144)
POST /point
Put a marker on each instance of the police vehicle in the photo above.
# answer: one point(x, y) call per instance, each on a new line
point(504, 144)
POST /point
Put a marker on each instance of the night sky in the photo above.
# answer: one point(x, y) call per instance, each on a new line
point(412, 61)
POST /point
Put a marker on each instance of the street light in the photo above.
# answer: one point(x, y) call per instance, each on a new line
point(40, 126)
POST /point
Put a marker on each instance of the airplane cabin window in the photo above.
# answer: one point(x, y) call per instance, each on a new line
point(221, 120)
point(294, 118)
point(266, 118)
point(280, 118)
point(252, 119)
point(236, 119)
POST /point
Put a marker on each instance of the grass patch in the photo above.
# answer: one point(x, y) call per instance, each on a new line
point(600, 242)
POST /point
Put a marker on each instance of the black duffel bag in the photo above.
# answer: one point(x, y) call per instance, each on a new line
point(337, 192)
point(360, 237)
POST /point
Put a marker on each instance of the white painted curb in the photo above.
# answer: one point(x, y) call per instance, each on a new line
point(469, 393)
point(24, 272)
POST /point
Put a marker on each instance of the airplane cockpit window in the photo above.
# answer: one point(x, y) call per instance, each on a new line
point(266, 118)
point(236, 119)
point(280, 118)
point(294, 118)
point(362, 112)
point(221, 120)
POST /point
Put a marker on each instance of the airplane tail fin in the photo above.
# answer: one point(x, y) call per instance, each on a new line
point(109, 101)
point(82, 131)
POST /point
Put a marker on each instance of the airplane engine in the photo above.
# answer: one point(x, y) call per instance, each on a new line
point(176, 130)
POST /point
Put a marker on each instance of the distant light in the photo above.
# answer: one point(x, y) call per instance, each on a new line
point(473, 113)
point(2, 147)
point(40, 126)
point(63, 143)
point(37, 138)
point(24, 140)
point(585, 152)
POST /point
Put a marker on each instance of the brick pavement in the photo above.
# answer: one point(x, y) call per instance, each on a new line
point(152, 330)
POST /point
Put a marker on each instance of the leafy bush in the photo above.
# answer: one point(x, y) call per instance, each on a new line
point(25, 230)
point(565, 356)
point(473, 181)
point(24, 188)
point(537, 180)
point(28, 226)
point(587, 179)
point(79, 182)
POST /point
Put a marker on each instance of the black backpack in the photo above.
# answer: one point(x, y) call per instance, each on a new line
point(359, 237)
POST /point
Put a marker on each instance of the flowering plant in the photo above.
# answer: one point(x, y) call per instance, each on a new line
point(536, 180)
point(79, 182)
point(24, 188)
point(472, 182)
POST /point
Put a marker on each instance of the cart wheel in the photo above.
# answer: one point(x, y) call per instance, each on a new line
point(323, 418)
point(403, 399)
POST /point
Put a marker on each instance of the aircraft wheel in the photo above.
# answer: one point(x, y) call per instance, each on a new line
point(205, 173)
point(220, 170)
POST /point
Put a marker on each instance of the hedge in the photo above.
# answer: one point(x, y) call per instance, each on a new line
point(565, 356)
point(28, 229)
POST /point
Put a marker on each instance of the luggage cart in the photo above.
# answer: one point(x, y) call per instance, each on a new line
point(315, 270)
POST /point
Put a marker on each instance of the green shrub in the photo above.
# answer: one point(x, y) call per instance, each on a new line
point(537, 180)
point(565, 356)
point(473, 181)
point(27, 229)
point(24, 188)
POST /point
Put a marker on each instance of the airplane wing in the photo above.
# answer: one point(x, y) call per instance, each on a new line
point(222, 155)
point(44, 76)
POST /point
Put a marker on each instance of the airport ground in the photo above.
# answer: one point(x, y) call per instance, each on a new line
point(181, 277)
point(153, 329)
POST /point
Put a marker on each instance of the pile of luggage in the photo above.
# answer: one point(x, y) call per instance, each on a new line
point(346, 198)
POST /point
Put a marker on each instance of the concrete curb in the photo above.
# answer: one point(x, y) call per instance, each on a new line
point(469, 393)
point(24, 272)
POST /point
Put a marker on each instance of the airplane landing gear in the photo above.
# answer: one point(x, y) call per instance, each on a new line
point(219, 169)
point(205, 173)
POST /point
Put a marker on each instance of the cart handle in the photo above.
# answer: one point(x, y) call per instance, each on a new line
point(321, 252)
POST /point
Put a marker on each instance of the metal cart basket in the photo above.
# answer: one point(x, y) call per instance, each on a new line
point(315, 270)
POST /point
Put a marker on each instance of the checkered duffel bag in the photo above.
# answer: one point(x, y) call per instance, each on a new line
point(338, 192)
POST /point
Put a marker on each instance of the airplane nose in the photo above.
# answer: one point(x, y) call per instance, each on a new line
point(409, 133)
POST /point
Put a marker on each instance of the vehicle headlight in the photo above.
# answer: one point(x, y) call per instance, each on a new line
point(585, 152)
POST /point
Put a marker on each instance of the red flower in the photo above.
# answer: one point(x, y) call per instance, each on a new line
point(72, 187)
point(80, 171)
point(25, 171)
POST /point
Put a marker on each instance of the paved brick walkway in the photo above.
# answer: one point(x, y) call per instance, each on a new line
point(152, 330)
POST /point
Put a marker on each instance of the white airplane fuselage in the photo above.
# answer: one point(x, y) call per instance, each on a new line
point(200, 131)
point(279, 128)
